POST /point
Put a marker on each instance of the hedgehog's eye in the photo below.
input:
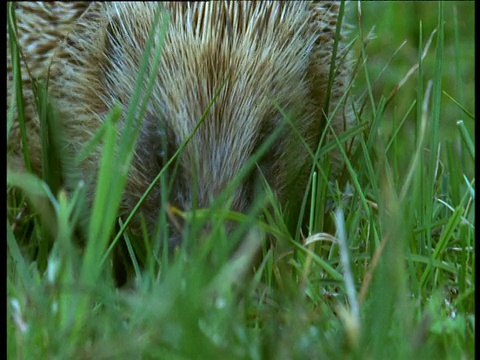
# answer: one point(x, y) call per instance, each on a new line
point(167, 150)
point(161, 157)
point(265, 133)
point(266, 162)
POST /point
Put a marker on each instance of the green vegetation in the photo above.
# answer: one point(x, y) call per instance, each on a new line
point(387, 270)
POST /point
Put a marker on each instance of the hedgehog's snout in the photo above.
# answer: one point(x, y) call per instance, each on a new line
point(210, 198)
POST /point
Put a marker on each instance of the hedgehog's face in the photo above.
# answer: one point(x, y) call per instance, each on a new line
point(221, 158)
point(258, 69)
point(256, 81)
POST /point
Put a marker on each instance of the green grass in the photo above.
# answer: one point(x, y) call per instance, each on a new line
point(387, 270)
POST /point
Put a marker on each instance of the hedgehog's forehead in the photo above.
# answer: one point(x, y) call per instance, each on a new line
point(217, 132)
point(239, 84)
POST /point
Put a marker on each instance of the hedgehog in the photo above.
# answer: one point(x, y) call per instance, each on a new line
point(265, 59)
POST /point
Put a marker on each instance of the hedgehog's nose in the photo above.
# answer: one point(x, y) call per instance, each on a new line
point(178, 229)
point(176, 225)
point(174, 241)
